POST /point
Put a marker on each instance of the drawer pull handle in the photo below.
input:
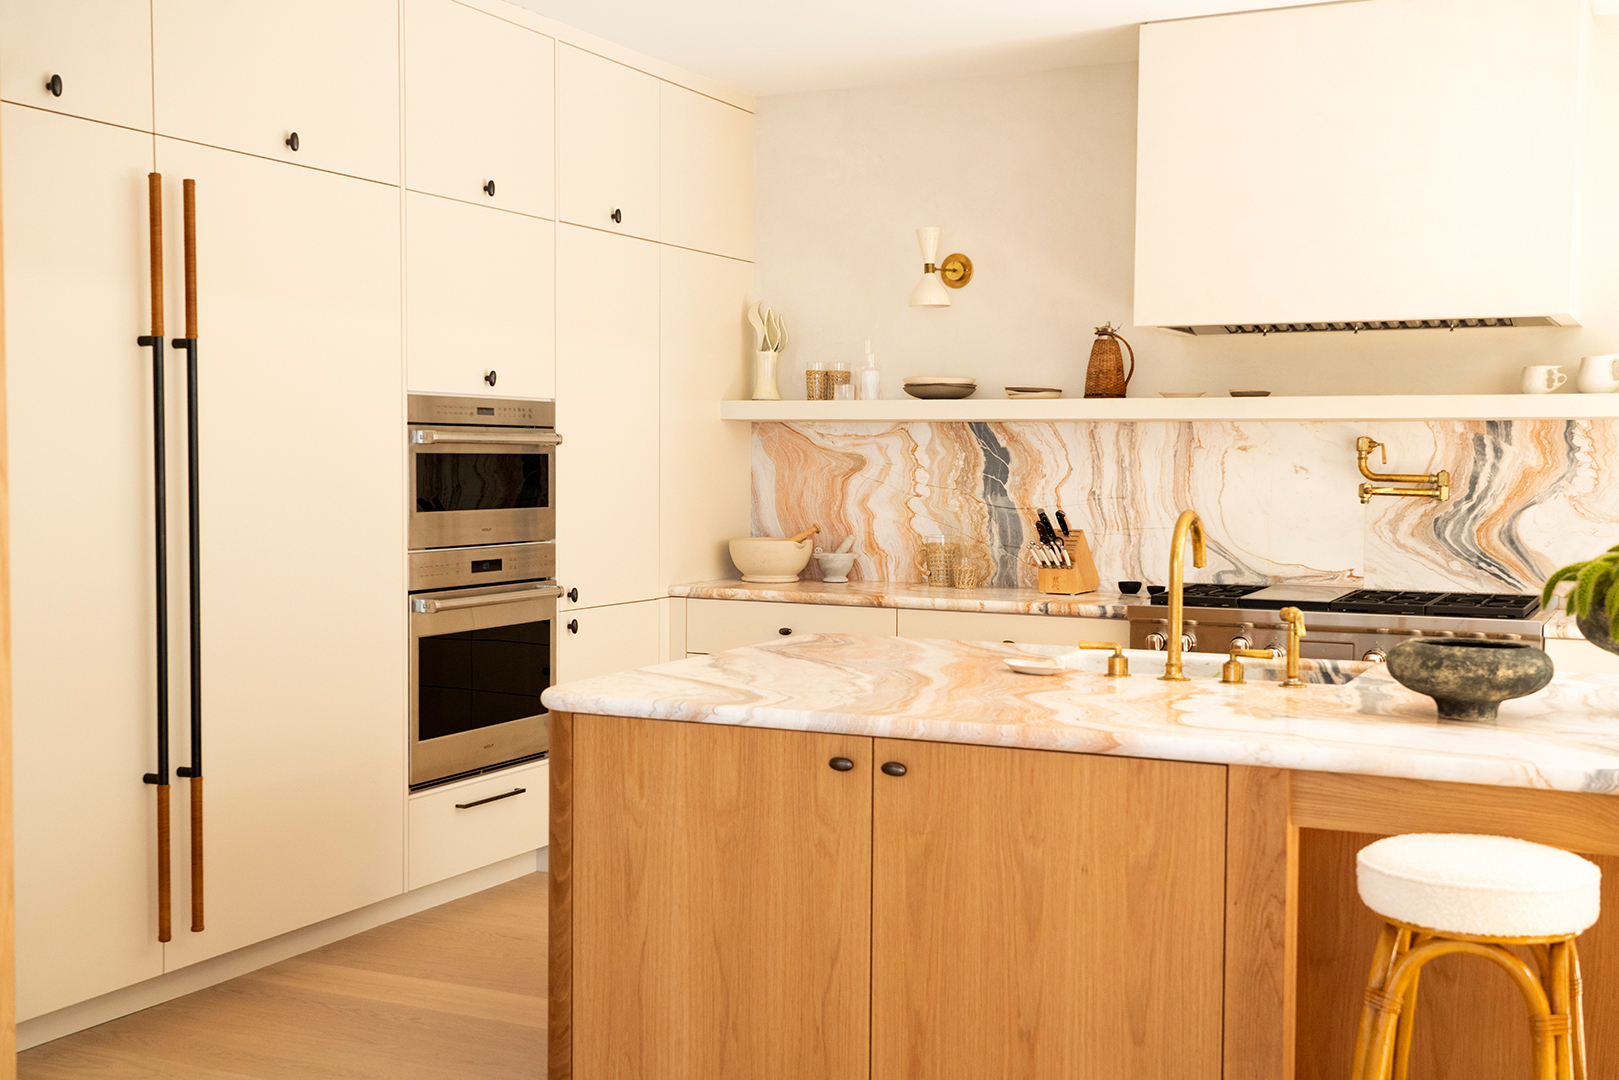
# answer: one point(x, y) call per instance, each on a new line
point(785, 631)
point(573, 626)
point(489, 189)
point(841, 764)
point(54, 85)
point(492, 798)
point(292, 141)
point(617, 216)
point(893, 768)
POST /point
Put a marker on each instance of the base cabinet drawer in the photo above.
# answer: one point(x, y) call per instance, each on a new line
point(716, 625)
point(463, 826)
point(1021, 629)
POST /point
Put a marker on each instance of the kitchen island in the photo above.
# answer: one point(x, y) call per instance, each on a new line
point(843, 856)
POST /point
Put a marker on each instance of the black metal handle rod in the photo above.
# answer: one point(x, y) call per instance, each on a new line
point(194, 499)
point(160, 507)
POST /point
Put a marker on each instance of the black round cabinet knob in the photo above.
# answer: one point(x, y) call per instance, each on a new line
point(54, 85)
point(573, 626)
point(785, 631)
point(573, 596)
point(617, 215)
point(292, 141)
point(489, 189)
point(841, 764)
point(490, 376)
point(893, 768)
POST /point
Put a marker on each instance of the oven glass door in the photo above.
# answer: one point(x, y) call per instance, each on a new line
point(480, 659)
point(481, 486)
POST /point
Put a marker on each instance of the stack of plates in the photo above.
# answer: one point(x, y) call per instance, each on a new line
point(939, 386)
point(1033, 392)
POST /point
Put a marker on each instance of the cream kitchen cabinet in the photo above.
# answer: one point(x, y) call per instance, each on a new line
point(479, 108)
point(705, 346)
point(705, 174)
point(96, 54)
point(607, 144)
point(600, 641)
point(607, 415)
point(82, 642)
point(307, 81)
point(476, 822)
point(1018, 629)
point(303, 545)
point(479, 300)
point(716, 625)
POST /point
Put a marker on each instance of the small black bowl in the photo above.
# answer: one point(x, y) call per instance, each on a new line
point(1154, 590)
point(1468, 679)
point(1130, 588)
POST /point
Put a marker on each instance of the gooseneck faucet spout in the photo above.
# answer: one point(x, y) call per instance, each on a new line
point(1188, 522)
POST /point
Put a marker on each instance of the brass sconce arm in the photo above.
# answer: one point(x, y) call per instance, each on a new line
point(1434, 485)
point(955, 271)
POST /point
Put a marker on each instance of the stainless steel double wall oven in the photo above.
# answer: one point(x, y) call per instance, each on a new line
point(483, 590)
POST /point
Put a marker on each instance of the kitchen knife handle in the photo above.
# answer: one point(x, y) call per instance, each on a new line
point(1062, 523)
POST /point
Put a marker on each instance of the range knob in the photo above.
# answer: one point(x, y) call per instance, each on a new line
point(1157, 641)
point(1188, 642)
point(1241, 642)
point(1376, 656)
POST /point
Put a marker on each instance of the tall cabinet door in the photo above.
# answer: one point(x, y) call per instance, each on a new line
point(82, 552)
point(721, 883)
point(249, 76)
point(98, 51)
point(479, 108)
point(607, 415)
point(1089, 939)
point(706, 174)
point(303, 544)
point(607, 144)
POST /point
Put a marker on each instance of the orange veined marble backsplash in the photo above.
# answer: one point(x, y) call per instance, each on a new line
point(1278, 499)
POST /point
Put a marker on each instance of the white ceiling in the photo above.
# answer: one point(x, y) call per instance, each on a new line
point(787, 46)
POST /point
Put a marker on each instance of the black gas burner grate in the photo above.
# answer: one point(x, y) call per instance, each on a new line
point(1386, 602)
point(1209, 596)
point(1486, 605)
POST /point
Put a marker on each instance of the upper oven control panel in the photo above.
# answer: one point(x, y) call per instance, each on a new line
point(481, 411)
point(456, 568)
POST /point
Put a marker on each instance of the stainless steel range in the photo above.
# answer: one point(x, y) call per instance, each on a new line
point(1344, 624)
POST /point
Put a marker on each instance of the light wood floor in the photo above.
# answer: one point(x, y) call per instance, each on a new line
point(457, 991)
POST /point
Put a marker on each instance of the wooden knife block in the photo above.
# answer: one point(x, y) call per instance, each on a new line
point(1079, 578)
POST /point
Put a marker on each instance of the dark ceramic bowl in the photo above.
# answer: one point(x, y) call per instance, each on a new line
point(1130, 588)
point(1468, 679)
point(1596, 628)
point(1154, 590)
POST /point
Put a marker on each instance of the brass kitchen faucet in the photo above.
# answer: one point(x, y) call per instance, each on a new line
point(1435, 485)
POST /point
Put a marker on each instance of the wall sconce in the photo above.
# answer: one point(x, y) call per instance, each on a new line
point(954, 272)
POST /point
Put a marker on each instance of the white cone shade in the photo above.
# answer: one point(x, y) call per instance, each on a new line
point(930, 291)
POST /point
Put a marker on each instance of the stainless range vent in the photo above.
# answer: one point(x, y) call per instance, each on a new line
point(1357, 327)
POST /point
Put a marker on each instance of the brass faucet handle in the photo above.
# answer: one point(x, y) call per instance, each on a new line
point(1295, 617)
point(1256, 654)
point(1366, 444)
point(1231, 672)
point(1118, 665)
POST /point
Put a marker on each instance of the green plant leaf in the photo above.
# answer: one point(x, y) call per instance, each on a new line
point(1591, 584)
point(1613, 608)
point(1571, 570)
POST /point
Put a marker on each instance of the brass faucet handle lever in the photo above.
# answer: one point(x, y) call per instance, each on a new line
point(1231, 672)
point(1366, 444)
point(1295, 617)
point(1118, 665)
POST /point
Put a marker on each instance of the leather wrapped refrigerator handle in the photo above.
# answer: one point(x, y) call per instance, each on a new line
point(193, 772)
point(154, 340)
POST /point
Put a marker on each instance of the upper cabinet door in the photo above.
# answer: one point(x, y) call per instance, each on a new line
point(98, 52)
point(479, 108)
point(607, 144)
point(250, 77)
point(707, 174)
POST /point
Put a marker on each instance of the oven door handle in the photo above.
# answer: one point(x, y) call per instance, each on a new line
point(428, 436)
point(424, 606)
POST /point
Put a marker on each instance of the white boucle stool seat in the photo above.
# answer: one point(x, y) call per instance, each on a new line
point(1484, 886)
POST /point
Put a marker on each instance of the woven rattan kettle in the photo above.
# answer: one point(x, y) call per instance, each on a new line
point(1105, 377)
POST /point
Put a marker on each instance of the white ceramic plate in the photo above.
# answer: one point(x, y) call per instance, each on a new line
point(941, 380)
point(1178, 393)
point(1033, 392)
point(1032, 666)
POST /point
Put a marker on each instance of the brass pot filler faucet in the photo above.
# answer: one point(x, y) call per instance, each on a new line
point(1434, 485)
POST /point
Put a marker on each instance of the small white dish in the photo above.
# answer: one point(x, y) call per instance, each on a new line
point(1033, 392)
point(1032, 666)
point(941, 380)
point(1181, 393)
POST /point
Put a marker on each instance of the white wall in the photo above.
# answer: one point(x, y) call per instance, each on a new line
point(1033, 177)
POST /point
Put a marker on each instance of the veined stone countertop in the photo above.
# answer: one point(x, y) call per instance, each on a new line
point(1559, 625)
point(1563, 738)
point(897, 594)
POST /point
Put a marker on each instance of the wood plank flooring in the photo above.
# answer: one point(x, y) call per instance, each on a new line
point(457, 991)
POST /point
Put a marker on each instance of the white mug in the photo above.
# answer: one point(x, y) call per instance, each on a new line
point(1598, 374)
point(1543, 378)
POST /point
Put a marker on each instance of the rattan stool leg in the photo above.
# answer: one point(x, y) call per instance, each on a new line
point(1384, 958)
point(1576, 1006)
point(1560, 1003)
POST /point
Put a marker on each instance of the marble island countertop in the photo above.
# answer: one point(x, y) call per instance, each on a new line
point(1564, 738)
point(1102, 604)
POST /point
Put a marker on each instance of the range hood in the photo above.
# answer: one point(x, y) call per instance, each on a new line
point(1360, 167)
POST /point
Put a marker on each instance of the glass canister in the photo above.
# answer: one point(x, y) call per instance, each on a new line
point(937, 560)
point(817, 381)
point(841, 377)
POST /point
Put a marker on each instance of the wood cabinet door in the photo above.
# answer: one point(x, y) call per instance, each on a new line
point(607, 415)
point(84, 727)
point(706, 174)
point(607, 144)
point(101, 50)
point(301, 427)
point(721, 900)
point(248, 76)
point(1045, 914)
point(479, 110)
point(479, 299)
point(600, 641)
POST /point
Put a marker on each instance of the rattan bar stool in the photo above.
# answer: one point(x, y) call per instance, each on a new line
point(1455, 893)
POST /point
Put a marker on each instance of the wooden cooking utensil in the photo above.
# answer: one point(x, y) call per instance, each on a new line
point(806, 534)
